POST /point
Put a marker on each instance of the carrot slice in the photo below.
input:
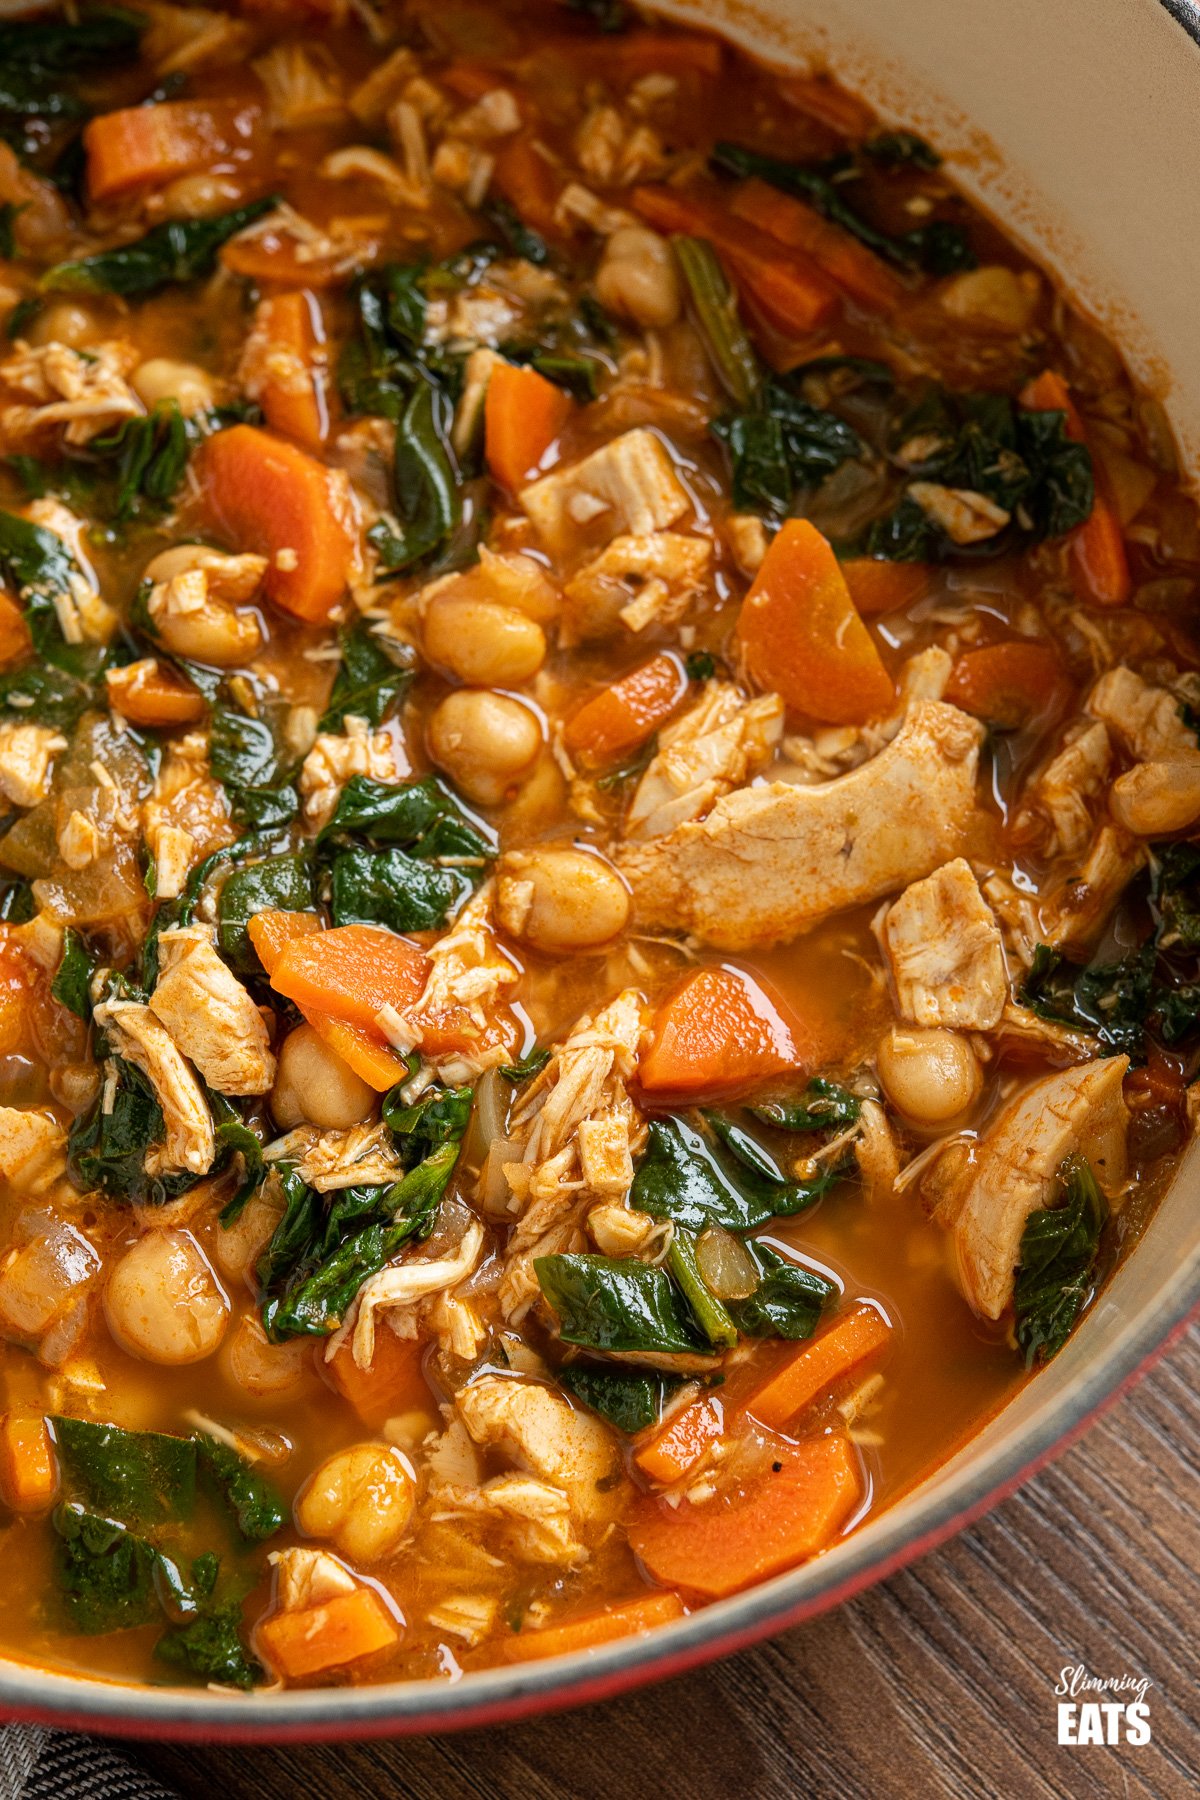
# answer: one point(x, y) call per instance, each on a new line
point(274, 255)
point(1099, 563)
point(28, 1469)
point(802, 638)
point(682, 1440)
point(622, 716)
point(14, 632)
point(529, 183)
point(827, 104)
point(856, 270)
point(523, 415)
point(594, 1628)
point(393, 1384)
point(790, 292)
point(818, 1365)
point(343, 1630)
point(717, 1032)
point(151, 693)
point(1008, 684)
point(366, 1051)
point(140, 145)
point(291, 372)
point(755, 1529)
point(270, 497)
point(660, 53)
point(879, 586)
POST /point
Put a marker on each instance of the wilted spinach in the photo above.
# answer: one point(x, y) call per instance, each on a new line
point(370, 682)
point(278, 882)
point(630, 1399)
point(1059, 1247)
point(695, 1181)
point(780, 445)
point(180, 250)
point(606, 1303)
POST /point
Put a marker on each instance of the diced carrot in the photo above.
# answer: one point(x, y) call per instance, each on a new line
point(829, 105)
point(14, 633)
point(353, 972)
point(152, 693)
point(392, 1385)
point(1099, 563)
point(682, 1440)
point(818, 1365)
point(660, 53)
point(270, 497)
point(879, 586)
point(291, 371)
point(719, 1031)
point(622, 716)
point(529, 183)
point(855, 269)
point(801, 637)
point(141, 145)
point(343, 1630)
point(366, 1051)
point(28, 1466)
point(1009, 684)
point(590, 1630)
point(274, 255)
point(523, 415)
point(754, 1529)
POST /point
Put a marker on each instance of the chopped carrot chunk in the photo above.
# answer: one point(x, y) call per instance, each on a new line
point(856, 270)
point(28, 1466)
point(1009, 684)
point(523, 416)
point(143, 145)
point(289, 369)
point(879, 586)
point(818, 1365)
point(720, 1031)
point(682, 1441)
point(151, 693)
point(14, 632)
point(622, 716)
point(365, 1049)
point(391, 1385)
point(592, 1629)
point(343, 1630)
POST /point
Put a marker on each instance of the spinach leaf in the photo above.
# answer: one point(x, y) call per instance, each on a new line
point(9, 213)
point(438, 854)
point(714, 307)
point(426, 480)
point(253, 1500)
point(422, 816)
point(1175, 892)
point(901, 149)
point(180, 250)
point(788, 1300)
point(580, 375)
point(283, 882)
point(439, 1116)
point(235, 1138)
point(370, 681)
point(144, 1477)
point(389, 887)
point(782, 444)
point(40, 59)
point(1111, 1000)
point(685, 1177)
point(822, 1106)
point(16, 900)
point(49, 695)
point(245, 759)
point(150, 457)
point(630, 1399)
point(709, 1313)
point(106, 1572)
point(211, 1647)
point(701, 665)
point(517, 238)
point(605, 1303)
point(107, 1149)
point(72, 981)
point(1059, 1246)
point(527, 1068)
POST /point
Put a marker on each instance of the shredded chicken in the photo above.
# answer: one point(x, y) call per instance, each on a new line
point(336, 756)
point(210, 1015)
point(720, 743)
point(1069, 789)
point(945, 952)
point(1074, 915)
point(186, 816)
point(85, 392)
point(143, 1040)
point(637, 581)
point(27, 754)
point(467, 974)
point(1144, 719)
point(628, 485)
point(399, 1290)
point(307, 1578)
point(534, 1516)
point(360, 1156)
point(543, 1433)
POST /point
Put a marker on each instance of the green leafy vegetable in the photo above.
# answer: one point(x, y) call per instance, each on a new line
point(426, 480)
point(1059, 1247)
point(72, 981)
point(245, 758)
point(389, 887)
point(823, 1105)
point(9, 213)
point(527, 1068)
point(630, 1399)
point(580, 375)
point(788, 1300)
point(437, 858)
point(701, 665)
point(714, 307)
point(901, 149)
point(781, 445)
point(150, 456)
point(211, 1648)
point(604, 1303)
point(1111, 1000)
point(40, 60)
point(144, 1477)
point(235, 1137)
point(106, 1572)
point(421, 816)
point(605, 15)
point(370, 681)
point(180, 250)
point(49, 695)
point(107, 1148)
point(253, 1500)
point(283, 882)
point(709, 1313)
point(686, 1177)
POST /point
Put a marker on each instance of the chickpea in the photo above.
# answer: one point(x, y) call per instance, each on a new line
point(162, 378)
point(637, 278)
point(485, 742)
point(203, 629)
point(316, 1086)
point(560, 899)
point(199, 196)
point(481, 642)
point(359, 1499)
point(236, 1248)
point(930, 1076)
point(66, 322)
point(163, 1303)
point(259, 1367)
point(1155, 798)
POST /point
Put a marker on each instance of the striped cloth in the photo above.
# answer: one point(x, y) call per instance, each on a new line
point(36, 1764)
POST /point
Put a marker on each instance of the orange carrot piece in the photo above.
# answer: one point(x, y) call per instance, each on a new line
point(152, 693)
point(266, 495)
point(660, 53)
point(529, 183)
point(788, 289)
point(856, 270)
point(817, 1366)
point(682, 1440)
point(316, 1638)
point(14, 632)
point(273, 256)
point(272, 931)
point(717, 1032)
point(622, 716)
point(590, 1630)
point(1099, 563)
point(755, 1529)
point(1009, 684)
point(366, 1051)
point(141, 145)
point(829, 105)
point(28, 1466)
point(393, 1384)
point(879, 586)
point(352, 972)
point(291, 369)
point(523, 416)
point(801, 637)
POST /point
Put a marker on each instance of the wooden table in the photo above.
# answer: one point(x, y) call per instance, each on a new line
point(936, 1683)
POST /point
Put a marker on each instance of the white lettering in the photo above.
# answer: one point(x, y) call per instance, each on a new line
point(1137, 1723)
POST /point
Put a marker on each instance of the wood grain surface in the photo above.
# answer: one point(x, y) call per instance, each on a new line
point(938, 1682)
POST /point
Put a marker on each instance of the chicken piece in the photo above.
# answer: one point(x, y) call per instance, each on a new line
point(31, 1143)
point(614, 152)
point(534, 1517)
point(304, 86)
point(1144, 719)
point(1073, 917)
point(618, 1229)
point(84, 391)
point(637, 581)
point(945, 952)
point(336, 756)
point(187, 801)
point(399, 1290)
point(1020, 1029)
point(143, 1040)
point(544, 1434)
point(1070, 787)
point(467, 974)
point(210, 1015)
point(27, 754)
point(770, 861)
point(307, 1578)
point(965, 516)
point(361, 1156)
point(630, 484)
point(1015, 1171)
point(721, 743)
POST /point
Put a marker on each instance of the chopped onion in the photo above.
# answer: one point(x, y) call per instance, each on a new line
point(726, 1264)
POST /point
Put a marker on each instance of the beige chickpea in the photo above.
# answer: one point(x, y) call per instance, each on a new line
point(237, 1247)
point(637, 278)
point(360, 1500)
point(482, 642)
point(930, 1076)
point(485, 742)
point(66, 322)
point(162, 378)
point(316, 1086)
point(199, 196)
point(163, 1303)
point(259, 1367)
point(560, 899)
point(197, 626)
